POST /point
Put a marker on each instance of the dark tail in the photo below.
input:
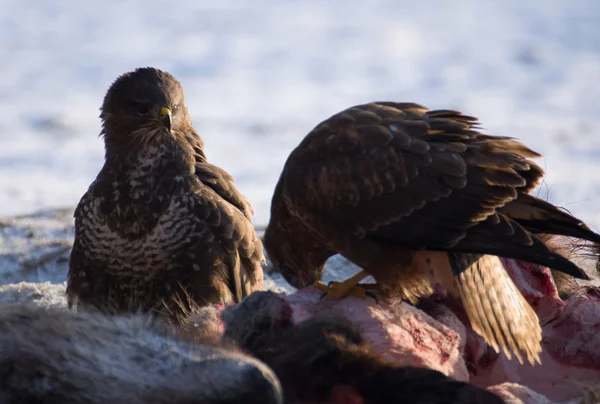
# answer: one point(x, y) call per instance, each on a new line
point(539, 216)
point(516, 244)
point(538, 254)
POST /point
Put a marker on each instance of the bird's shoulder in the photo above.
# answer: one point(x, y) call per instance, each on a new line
point(223, 184)
point(224, 220)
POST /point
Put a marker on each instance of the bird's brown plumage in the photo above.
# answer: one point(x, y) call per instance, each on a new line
point(160, 224)
point(403, 191)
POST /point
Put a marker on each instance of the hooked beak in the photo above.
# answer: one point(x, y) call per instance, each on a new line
point(165, 117)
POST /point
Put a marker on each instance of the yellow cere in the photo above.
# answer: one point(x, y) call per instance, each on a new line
point(165, 111)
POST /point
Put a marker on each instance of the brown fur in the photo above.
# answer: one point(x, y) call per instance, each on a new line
point(52, 356)
point(159, 223)
point(577, 250)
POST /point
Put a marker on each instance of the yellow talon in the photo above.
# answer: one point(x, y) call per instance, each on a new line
point(321, 286)
point(350, 287)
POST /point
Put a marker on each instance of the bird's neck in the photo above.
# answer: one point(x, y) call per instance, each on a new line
point(149, 162)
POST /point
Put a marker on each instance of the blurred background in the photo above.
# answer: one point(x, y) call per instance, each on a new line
point(259, 75)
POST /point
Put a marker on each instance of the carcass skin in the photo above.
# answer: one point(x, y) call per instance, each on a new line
point(436, 334)
point(397, 331)
point(571, 339)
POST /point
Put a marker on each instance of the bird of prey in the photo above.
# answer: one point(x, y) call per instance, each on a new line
point(409, 194)
point(160, 227)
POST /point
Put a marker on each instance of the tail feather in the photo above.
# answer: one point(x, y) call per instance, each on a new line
point(495, 307)
point(539, 216)
point(487, 240)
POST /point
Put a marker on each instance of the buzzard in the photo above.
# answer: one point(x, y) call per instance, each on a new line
point(160, 226)
point(409, 194)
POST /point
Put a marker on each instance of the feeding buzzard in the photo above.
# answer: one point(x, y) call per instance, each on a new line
point(403, 192)
point(160, 224)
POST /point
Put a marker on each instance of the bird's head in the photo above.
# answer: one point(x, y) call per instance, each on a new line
point(143, 103)
point(293, 250)
point(291, 259)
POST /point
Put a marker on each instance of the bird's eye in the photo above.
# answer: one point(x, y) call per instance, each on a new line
point(141, 108)
point(176, 107)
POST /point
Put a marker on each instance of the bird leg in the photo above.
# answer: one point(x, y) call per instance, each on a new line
point(350, 287)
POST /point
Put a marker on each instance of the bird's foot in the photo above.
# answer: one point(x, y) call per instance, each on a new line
point(338, 290)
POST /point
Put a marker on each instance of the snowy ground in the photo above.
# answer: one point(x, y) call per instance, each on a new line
point(259, 75)
point(34, 256)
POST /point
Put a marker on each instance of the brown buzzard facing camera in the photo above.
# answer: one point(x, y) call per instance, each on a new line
point(407, 194)
point(160, 224)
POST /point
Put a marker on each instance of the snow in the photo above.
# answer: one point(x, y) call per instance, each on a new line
point(260, 75)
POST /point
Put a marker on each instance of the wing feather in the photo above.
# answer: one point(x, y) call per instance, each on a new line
point(496, 308)
point(223, 184)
